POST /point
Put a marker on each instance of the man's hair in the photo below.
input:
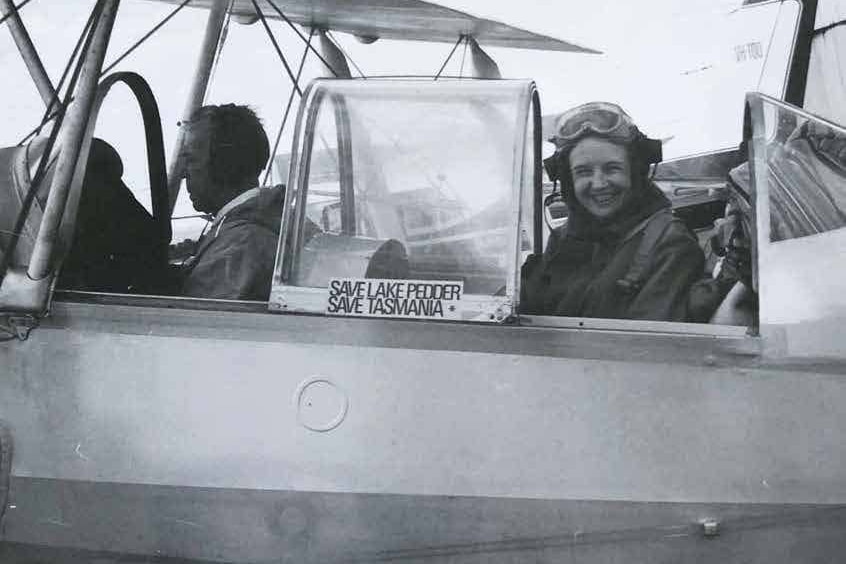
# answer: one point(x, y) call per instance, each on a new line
point(239, 145)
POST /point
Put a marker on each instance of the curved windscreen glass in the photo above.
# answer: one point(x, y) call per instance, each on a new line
point(806, 173)
point(799, 174)
point(412, 180)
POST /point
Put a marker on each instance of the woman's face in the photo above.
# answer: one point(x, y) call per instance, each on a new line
point(601, 172)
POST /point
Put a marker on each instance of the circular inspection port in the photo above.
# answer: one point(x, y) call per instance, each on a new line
point(321, 404)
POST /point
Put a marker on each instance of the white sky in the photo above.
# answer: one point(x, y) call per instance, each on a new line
point(673, 64)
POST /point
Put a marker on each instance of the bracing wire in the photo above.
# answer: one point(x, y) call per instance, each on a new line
point(6, 259)
point(146, 36)
point(287, 111)
point(51, 113)
point(292, 26)
point(769, 46)
point(74, 54)
point(451, 53)
point(15, 9)
point(278, 50)
point(221, 42)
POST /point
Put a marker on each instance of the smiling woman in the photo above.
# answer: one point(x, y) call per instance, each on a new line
point(621, 253)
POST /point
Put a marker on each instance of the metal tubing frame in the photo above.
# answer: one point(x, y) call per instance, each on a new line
point(202, 75)
point(29, 54)
point(73, 134)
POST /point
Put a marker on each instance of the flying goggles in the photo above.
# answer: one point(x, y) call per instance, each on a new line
point(604, 120)
point(599, 118)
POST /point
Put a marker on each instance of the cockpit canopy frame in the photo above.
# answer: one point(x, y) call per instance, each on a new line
point(420, 181)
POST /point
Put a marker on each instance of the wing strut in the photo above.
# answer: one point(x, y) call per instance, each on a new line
point(74, 149)
point(28, 53)
point(292, 26)
point(17, 8)
point(483, 65)
point(208, 54)
point(145, 37)
point(345, 54)
point(52, 111)
point(337, 62)
point(333, 59)
point(84, 40)
point(278, 50)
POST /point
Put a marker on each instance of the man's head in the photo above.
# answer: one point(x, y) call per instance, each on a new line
point(601, 157)
point(225, 150)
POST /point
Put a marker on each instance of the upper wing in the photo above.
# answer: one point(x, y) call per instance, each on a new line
point(399, 19)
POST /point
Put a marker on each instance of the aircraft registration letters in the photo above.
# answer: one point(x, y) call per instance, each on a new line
point(376, 297)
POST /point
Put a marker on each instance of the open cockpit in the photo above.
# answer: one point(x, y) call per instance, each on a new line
point(382, 390)
point(396, 179)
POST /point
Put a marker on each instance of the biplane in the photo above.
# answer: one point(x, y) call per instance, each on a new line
point(356, 417)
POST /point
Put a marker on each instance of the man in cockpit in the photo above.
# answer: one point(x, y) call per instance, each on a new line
point(225, 149)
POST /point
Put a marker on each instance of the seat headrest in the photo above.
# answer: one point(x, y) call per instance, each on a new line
point(104, 159)
point(18, 164)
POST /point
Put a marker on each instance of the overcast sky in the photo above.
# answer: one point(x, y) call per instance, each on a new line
point(680, 67)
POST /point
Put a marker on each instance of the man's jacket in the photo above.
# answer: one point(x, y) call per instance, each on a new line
point(235, 258)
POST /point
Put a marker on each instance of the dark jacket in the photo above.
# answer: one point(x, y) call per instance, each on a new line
point(235, 258)
point(586, 267)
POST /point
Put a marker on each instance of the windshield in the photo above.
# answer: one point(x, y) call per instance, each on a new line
point(434, 168)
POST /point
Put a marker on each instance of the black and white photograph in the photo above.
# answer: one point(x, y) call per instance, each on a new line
point(422, 282)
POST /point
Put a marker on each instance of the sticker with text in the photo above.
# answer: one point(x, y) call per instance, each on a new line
point(373, 297)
